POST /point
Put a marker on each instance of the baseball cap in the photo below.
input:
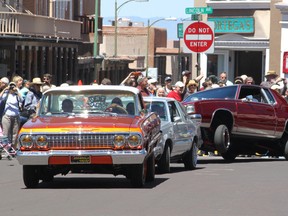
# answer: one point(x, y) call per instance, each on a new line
point(152, 80)
point(179, 84)
point(168, 79)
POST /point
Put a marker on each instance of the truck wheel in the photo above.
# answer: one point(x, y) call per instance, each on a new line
point(30, 176)
point(150, 176)
point(138, 175)
point(222, 139)
point(286, 150)
point(191, 157)
point(164, 162)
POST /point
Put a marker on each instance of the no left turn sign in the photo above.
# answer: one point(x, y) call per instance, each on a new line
point(198, 37)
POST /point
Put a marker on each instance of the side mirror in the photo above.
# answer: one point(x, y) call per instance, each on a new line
point(177, 119)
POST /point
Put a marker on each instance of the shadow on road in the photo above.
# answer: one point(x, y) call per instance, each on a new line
point(220, 160)
point(95, 183)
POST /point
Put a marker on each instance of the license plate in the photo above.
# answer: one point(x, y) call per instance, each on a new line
point(80, 159)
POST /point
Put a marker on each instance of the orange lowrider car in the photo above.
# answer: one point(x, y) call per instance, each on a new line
point(101, 129)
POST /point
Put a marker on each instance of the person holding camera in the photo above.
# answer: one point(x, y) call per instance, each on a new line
point(11, 112)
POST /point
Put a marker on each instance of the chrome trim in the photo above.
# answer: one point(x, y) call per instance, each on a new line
point(81, 140)
point(118, 157)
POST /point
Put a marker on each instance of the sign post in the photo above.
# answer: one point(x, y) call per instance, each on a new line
point(198, 37)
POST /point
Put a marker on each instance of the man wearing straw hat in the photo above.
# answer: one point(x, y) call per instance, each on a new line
point(271, 79)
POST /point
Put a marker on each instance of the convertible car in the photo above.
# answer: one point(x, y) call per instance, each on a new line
point(241, 119)
point(87, 129)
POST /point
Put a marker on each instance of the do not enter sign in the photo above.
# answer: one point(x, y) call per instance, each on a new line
point(198, 37)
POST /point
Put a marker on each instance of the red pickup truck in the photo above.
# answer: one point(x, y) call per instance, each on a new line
point(241, 119)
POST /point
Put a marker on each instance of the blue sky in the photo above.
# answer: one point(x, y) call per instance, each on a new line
point(153, 8)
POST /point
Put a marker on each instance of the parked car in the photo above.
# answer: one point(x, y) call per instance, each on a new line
point(241, 119)
point(180, 140)
point(101, 129)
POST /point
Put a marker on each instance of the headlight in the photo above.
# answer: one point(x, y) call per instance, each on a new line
point(190, 109)
point(26, 141)
point(119, 141)
point(41, 141)
point(134, 141)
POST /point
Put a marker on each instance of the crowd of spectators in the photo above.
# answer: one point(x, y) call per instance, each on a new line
point(182, 88)
point(19, 98)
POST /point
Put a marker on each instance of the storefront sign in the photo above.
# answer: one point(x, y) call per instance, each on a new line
point(233, 24)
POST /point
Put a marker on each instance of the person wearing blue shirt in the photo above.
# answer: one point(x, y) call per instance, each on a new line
point(11, 114)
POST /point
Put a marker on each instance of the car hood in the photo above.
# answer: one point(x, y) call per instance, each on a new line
point(70, 124)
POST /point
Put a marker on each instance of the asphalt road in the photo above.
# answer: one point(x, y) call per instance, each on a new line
point(249, 186)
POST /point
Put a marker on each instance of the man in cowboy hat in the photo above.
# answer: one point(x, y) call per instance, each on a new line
point(271, 79)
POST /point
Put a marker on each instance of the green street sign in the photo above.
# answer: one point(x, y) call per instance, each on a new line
point(199, 10)
point(180, 30)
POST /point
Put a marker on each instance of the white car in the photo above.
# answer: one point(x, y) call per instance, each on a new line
point(181, 133)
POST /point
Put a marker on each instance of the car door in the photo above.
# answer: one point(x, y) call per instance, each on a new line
point(255, 115)
point(182, 134)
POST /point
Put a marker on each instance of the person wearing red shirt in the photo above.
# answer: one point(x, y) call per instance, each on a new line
point(176, 93)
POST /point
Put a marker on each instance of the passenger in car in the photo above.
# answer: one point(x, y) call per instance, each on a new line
point(116, 106)
point(67, 105)
point(130, 108)
point(117, 101)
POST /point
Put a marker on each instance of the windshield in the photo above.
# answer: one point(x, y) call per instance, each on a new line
point(228, 92)
point(159, 108)
point(89, 102)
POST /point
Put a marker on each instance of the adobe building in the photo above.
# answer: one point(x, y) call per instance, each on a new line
point(56, 37)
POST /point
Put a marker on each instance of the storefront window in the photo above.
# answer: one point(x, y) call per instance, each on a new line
point(63, 9)
point(42, 8)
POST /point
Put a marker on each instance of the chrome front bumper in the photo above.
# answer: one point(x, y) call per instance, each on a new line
point(118, 157)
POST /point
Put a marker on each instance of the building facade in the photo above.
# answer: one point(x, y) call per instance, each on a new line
point(45, 36)
point(242, 38)
point(282, 9)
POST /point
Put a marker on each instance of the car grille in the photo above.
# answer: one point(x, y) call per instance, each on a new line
point(81, 141)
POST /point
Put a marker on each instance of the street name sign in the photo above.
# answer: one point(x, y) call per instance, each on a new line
point(199, 10)
point(180, 30)
point(198, 37)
